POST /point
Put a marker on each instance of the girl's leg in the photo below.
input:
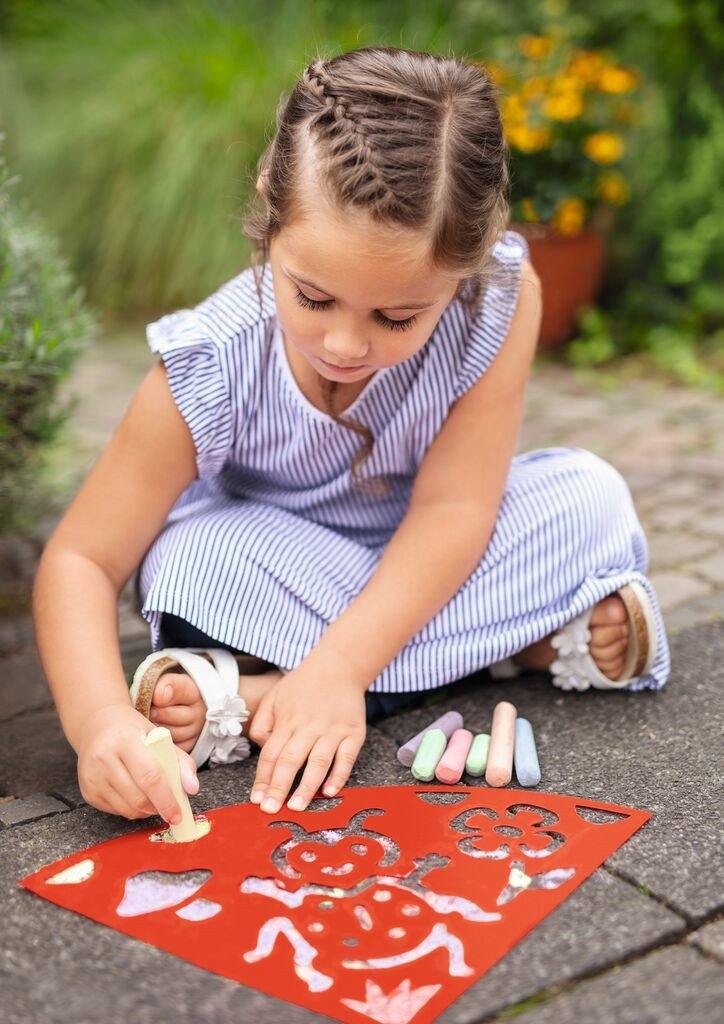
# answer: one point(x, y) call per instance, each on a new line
point(567, 536)
point(176, 632)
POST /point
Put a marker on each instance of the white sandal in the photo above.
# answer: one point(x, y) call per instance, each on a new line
point(575, 669)
point(221, 738)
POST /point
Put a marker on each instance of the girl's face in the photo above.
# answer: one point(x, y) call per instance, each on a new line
point(353, 298)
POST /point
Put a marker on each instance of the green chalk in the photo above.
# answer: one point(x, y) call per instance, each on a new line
point(428, 755)
point(477, 760)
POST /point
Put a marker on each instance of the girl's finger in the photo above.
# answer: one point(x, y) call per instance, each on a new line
point(267, 762)
point(320, 757)
point(119, 778)
point(290, 759)
point(148, 776)
point(347, 753)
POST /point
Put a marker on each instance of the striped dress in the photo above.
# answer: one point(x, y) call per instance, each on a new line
point(272, 541)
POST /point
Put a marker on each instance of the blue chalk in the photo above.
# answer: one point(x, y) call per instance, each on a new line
point(527, 768)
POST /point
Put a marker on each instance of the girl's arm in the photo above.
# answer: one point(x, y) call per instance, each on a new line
point(94, 550)
point(453, 507)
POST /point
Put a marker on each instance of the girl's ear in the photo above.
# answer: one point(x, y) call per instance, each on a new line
point(261, 182)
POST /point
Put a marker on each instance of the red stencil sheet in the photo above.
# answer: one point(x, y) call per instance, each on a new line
point(383, 904)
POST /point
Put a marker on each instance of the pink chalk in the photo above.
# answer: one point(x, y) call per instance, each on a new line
point(451, 764)
point(502, 744)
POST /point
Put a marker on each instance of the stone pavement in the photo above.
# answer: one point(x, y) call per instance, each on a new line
point(641, 940)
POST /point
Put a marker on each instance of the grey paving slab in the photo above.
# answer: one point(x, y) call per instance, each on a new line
point(28, 809)
point(35, 757)
point(656, 751)
point(669, 986)
point(710, 939)
point(61, 968)
point(22, 684)
point(602, 921)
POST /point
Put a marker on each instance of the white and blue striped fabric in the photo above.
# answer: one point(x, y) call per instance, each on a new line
point(272, 542)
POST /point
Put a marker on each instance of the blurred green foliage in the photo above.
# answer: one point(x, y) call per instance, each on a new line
point(43, 327)
point(136, 128)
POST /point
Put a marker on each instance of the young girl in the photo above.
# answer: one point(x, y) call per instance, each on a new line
point(390, 307)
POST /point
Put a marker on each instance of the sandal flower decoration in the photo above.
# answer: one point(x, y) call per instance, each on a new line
point(568, 670)
point(225, 724)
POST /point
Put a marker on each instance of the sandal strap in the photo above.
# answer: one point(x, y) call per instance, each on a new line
point(221, 737)
point(575, 669)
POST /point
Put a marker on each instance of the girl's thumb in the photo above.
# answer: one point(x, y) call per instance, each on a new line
point(262, 724)
point(189, 778)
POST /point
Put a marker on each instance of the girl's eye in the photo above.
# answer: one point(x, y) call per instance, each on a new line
point(393, 325)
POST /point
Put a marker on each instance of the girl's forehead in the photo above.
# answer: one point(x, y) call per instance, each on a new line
point(354, 255)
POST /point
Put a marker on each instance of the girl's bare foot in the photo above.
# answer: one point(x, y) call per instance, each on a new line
point(179, 706)
point(608, 643)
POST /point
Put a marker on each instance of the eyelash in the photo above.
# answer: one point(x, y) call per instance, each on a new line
point(393, 325)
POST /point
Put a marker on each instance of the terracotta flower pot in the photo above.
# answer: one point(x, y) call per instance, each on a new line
point(571, 269)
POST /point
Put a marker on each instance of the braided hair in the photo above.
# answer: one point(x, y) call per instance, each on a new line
point(411, 139)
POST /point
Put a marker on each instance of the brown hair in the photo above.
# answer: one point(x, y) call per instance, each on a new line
point(412, 139)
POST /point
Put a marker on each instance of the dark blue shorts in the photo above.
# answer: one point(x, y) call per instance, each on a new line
point(176, 632)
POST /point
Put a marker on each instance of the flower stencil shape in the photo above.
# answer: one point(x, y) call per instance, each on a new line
point(496, 836)
point(225, 724)
point(399, 1007)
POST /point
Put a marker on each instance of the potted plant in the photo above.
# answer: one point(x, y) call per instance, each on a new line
point(567, 113)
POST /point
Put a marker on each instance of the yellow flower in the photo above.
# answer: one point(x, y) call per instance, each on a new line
point(616, 80)
point(529, 210)
point(513, 109)
point(569, 216)
point(495, 72)
point(564, 84)
point(604, 147)
point(586, 65)
point(535, 86)
point(612, 188)
point(563, 108)
point(535, 47)
point(527, 139)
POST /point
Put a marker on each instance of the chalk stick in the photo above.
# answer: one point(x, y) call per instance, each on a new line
point(448, 722)
point(428, 755)
point(451, 764)
point(527, 768)
point(160, 743)
point(478, 755)
point(502, 742)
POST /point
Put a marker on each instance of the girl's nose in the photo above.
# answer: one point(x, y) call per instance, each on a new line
point(345, 348)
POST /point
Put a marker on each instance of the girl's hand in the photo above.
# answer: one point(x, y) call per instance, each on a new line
point(118, 774)
point(312, 716)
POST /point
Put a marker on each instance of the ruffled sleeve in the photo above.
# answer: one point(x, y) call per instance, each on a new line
point(489, 329)
point(197, 371)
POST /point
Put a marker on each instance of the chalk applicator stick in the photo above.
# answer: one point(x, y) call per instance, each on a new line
point(160, 743)
point(499, 770)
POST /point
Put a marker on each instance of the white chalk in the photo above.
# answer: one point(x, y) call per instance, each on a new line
point(160, 742)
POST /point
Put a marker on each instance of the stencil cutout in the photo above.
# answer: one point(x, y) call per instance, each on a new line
point(383, 904)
